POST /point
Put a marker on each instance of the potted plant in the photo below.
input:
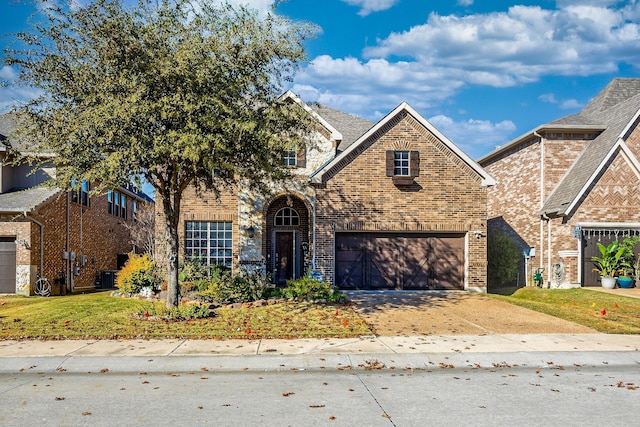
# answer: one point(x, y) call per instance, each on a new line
point(608, 264)
point(630, 263)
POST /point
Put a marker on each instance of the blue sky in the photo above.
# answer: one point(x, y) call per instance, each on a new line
point(483, 72)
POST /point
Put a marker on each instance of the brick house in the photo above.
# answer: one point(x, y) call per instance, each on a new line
point(392, 205)
point(75, 240)
point(568, 184)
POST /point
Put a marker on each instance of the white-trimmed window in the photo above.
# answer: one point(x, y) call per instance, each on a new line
point(400, 163)
point(295, 158)
point(403, 166)
point(290, 158)
point(209, 241)
point(287, 217)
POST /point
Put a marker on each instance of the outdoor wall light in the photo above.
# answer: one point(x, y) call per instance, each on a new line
point(251, 232)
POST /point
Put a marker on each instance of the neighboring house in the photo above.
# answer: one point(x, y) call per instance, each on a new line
point(75, 240)
point(395, 205)
point(568, 184)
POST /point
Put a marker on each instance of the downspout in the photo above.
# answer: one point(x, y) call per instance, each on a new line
point(542, 219)
point(67, 267)
point(313, 256)
point(40, 268)
point(548, 248)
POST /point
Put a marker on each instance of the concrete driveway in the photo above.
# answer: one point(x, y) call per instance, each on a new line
point(406, 313)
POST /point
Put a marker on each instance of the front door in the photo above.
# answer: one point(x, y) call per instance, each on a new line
point(284, 256)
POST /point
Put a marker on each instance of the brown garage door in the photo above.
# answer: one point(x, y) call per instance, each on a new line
point(590, 238)
point(399, 261)
point(7, 265)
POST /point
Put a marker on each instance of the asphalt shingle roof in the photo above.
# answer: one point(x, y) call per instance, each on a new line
point(25, 200)
point(351, 127)
point(614, 108)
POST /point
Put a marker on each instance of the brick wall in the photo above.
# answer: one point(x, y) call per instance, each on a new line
point(447, 196)
point(200, 206)
point(516, 199)
point(93, 232)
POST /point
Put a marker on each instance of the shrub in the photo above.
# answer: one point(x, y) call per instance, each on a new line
point(308, 288)
point(193, 270)
point(181, 312)
point(228, 289)
point(139, 272)
point(503, 257)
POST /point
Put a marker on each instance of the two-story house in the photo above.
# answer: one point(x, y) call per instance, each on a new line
point(72, 238)
point(569, 184)
point(391, 205)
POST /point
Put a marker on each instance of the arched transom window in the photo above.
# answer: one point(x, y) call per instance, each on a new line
point(287, 217)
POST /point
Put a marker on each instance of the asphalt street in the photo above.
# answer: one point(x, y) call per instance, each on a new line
point(368, 394)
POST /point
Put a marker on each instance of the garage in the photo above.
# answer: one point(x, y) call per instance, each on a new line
point(406, 261)
point(7, 265)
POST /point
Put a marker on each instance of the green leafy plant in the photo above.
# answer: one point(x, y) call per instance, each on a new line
point(502, 257)
point(228, 289)
point(611, 259)
point(308, 288)
point(630, 263)
point(180, 312)
point(139, 272)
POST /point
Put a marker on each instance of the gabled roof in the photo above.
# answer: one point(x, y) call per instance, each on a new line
point(402, 108)
point(618, 107)
point(351, 127)
point(25, 201)
point(612, 113)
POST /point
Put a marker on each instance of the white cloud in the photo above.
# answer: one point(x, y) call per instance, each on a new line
point(465, 3)
point(369, 6)
point(470, 135)
point(520, 45)
point(566, 104)
point(8, 74)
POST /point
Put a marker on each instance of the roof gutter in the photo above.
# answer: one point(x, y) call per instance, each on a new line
point(525, 137)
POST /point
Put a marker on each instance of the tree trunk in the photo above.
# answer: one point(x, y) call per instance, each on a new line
point(173, 287)
point(171, 208)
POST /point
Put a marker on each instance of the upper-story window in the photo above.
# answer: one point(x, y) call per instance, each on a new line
point(134, 210)
point(400, 163)
point(117, 204)
point(287, 217)
point(295, 158)
point(290, 158)
point(403, 166)
point(81, 194)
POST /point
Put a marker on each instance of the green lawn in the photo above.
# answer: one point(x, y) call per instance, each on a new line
point(101, 316)
point(605, 312)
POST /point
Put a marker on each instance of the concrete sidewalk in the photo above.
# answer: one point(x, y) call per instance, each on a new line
point(540, 350)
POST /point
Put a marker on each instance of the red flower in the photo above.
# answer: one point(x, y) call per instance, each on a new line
point(336, 312)
point(616, 305)
point(603, 312)
point(146, 313)
point(344, 323)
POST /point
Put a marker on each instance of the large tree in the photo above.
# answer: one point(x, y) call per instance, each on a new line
point(180, 92)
